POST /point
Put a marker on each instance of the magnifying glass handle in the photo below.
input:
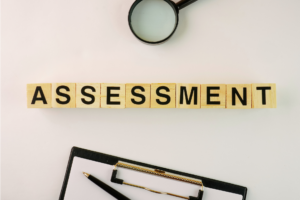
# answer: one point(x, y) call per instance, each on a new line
point(183, 3)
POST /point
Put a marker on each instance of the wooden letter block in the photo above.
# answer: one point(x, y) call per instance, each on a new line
point(187, 95)
point(39, 95)
point(63, 95)
point(264, 95)
point(238, 96)
point(213, 95)
point(113, 95)
point(137, 95)
point(163, 95)
point(87, 95)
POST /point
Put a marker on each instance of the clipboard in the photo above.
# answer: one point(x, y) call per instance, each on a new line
point(106, 165)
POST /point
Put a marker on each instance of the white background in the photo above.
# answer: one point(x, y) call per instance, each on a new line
point(217, 41)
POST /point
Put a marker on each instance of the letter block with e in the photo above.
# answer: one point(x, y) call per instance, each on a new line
point(113, 95)
point(39, 95)
point(63, 95)
point(163, 95)
point(213, 95)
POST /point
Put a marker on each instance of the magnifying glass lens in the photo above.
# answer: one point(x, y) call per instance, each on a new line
point(153, 20)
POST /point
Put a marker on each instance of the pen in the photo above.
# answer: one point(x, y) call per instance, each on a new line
point(107, 188)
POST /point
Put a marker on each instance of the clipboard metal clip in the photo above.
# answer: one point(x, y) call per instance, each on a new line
point(157, 172)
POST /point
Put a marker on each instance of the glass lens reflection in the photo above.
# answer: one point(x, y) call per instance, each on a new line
point(153, 20)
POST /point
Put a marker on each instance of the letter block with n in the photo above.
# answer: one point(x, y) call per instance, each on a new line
point(238, 96)
point(187, 95)
point(39, 95)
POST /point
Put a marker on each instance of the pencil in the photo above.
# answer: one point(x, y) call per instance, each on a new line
point(106, 187)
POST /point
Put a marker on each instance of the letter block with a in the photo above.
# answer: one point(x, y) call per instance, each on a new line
point(63, 95)
point(87, 95)
point(238, 96)
point(137, 95)
point(187, 95)
point(163, 95)
point(39, 95)
point(264, 95)
point(113, 95)
point(213, 95)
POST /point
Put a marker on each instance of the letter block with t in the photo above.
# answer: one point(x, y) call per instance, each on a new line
point(264, 95)
point(112, 95)
point(39, 95)
point(163, 95)
point(238, 96)
point(137, 95)
point(63, 95)
point(213, 95)
point(187, 95)
point(87, 95)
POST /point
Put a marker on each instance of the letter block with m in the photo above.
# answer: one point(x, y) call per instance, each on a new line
point(188, 95)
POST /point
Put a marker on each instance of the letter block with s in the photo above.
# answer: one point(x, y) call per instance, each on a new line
point(163, 95)
point(137, 95)
point(63, 95)
point(87, 95)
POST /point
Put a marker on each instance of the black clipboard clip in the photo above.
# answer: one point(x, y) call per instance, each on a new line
point(157, 172)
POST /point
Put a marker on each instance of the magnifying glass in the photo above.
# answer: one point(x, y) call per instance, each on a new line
point(155, 21)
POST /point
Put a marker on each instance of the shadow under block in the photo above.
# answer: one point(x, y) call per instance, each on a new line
point(238, 96)
point(63, 95)
point(39, 95)
point(264, 95)
point(163, 95)
point(113, 95)
point(137, 95)
point(87, 95)
point(213, 95)
point(187, 95)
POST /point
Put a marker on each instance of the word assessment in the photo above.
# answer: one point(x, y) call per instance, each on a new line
point(155, 95)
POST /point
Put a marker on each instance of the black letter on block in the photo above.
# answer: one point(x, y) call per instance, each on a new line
point(88, 95)
point(63, 94)
point(188, 100)
point(35, 98)
point(138, 95)
point(163, 95)
point(243, 100)
point(263, 90)
point(109, 95)
point(208, 95)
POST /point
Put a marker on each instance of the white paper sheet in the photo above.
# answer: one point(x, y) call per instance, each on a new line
point(80, 188)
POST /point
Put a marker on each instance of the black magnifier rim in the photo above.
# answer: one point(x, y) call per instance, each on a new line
point(175, 9)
